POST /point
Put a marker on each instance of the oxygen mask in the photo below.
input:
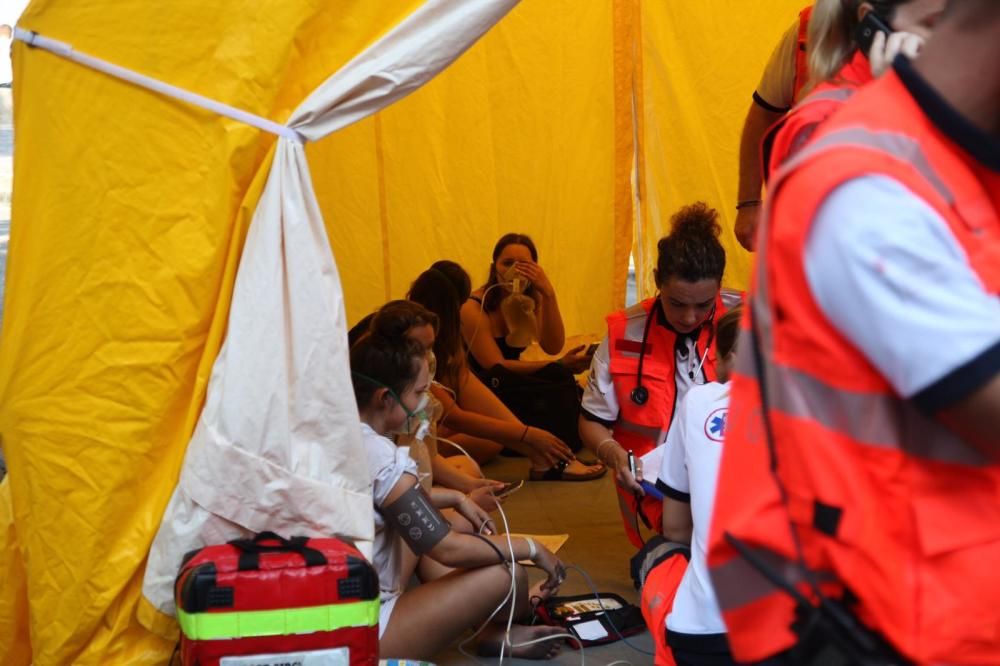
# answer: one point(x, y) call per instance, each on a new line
point(518, 310)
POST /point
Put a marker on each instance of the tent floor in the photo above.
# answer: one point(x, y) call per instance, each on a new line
point(588, 512)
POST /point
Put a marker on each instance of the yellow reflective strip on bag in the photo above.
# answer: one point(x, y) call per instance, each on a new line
point(280, 622)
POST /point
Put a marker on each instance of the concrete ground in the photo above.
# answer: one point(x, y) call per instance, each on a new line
point(588, 512)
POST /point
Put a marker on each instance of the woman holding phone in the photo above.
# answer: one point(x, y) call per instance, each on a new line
point(516, 305)
point(850, 43)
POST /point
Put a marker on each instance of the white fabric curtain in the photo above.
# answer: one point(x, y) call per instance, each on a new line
point(278, 444)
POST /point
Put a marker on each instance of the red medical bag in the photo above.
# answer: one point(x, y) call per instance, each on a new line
point(298, 600)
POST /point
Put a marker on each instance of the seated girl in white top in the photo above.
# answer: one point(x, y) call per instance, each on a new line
point(689, 469)
point(391, 381)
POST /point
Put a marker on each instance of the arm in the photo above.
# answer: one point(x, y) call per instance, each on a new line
point(758, 120)
point(976, 419)
point(772, 99)
point(508, 431)
point(677, 522)
point(598, 438)
point(551, 333)
point(466, 551)
point(599, 411)
point(674, 483)
point(476, 321)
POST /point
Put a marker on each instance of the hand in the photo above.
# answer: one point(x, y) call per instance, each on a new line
point(484, 496)
point(619, 460)
point(576, 360)
point(475, 514)
point(546, 560)
point(747, 219)
point(884, 50)
point(548, 445)
point(537, 276)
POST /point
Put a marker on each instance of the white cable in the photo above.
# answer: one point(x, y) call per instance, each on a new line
point(479, 319)
point(64, 50)
point(512, 594)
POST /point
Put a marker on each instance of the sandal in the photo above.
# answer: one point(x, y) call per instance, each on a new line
point(559, 473)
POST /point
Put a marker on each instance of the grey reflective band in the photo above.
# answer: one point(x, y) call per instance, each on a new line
point(899, 146)
point(875, 419)
point(417, 520)
point(835, 95)
point(738, 583)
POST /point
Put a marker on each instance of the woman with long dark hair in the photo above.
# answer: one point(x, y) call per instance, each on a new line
point(470, 409)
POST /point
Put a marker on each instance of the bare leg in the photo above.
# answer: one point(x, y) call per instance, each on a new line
point(475, 397)
point(430, 617)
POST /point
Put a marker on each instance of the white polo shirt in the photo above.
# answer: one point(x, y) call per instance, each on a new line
point(688, 473)
point(889, 275)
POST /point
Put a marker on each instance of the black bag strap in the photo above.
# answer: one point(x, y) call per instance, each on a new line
point(251, 550)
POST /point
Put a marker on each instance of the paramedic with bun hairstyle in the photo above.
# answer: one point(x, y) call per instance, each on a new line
point(653, 353)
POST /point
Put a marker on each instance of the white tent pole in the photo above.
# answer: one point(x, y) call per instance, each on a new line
point(64, 50)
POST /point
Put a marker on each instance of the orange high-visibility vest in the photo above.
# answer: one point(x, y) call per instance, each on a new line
point(791, 132)
point(801, 53)
point(640, 428)
point(886, 502)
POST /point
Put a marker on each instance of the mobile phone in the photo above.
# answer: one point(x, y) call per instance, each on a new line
point(509, 489)
point(591, 348)
point(864, 34)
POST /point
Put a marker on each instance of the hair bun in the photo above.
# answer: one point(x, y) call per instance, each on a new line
point(698, 219)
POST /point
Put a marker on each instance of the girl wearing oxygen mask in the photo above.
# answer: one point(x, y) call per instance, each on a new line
point(405, 320)
point(391, 382)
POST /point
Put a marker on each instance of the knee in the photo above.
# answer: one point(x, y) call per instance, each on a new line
point(498, 580)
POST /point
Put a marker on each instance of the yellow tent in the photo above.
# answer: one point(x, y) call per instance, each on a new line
point(569, 120)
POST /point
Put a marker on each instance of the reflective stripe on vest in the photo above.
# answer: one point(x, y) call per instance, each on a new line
point(279, 622)
point(871, 418)
point(738, 583)
point(898, 146)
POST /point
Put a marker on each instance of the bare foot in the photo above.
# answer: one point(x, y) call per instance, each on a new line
point(489, 646)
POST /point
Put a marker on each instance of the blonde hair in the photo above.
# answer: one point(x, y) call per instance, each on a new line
point(830, 41)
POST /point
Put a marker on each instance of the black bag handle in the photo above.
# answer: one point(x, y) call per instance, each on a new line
point(251, 549)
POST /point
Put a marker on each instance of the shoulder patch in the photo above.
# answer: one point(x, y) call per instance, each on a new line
point(715, 424)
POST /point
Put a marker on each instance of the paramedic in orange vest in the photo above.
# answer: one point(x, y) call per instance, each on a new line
point(653, 353)
point(861, 468)
point(838, 66)
point(780, 87)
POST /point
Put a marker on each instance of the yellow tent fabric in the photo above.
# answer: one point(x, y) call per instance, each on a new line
point(518, 135)
point(120, 270)
point(119, 277)
point(701, 62)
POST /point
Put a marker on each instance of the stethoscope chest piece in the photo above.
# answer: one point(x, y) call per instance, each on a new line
point(640, 395)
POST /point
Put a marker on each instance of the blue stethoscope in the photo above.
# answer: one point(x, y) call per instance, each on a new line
point(640, 394)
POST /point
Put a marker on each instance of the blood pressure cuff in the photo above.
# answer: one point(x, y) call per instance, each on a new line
point(419, 523)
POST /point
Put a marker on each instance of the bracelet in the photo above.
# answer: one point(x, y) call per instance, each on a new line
point(603, 442)
point(532, 550)
point(524, 434)
point(747, 203)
